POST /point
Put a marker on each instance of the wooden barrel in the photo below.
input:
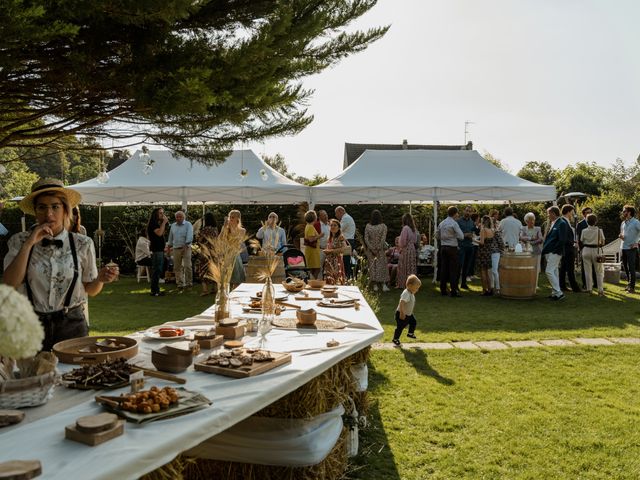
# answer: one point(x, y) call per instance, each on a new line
point(518, 275)
point(259, 263)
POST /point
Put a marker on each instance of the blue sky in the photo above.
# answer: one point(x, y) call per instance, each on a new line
point(555, 81)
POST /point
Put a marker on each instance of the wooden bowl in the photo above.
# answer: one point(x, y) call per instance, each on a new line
point(165, 361)
point(306, 317)
point(329, 293)
point(67, 351)
point(316, 283)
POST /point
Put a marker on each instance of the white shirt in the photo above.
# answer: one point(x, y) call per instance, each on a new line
point(409, 300)
point(449, 232)
point(510, 228)
point(272, 237)
point(348, 227)
point(326, 230)
point(50, 270)
point(142, 248)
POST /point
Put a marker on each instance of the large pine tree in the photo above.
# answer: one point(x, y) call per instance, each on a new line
point(194, 76)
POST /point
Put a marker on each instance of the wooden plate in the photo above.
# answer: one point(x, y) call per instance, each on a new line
point(67, 351)
point(155, 335)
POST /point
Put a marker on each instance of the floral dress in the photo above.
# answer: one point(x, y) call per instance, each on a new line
point(484, 252)
point(407, 263)
point(333, 265)
point(374, 238)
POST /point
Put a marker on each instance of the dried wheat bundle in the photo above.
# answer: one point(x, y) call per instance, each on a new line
point(220, 254)
point(271, 260)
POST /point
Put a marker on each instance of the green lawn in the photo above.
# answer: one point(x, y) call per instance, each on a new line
point(552, 413)
point(445, 319)
point(534, 413)
point(125, 306)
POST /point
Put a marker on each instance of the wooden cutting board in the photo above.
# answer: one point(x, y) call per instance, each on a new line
point(20, 469)
point(10, 417)
point(246, 370)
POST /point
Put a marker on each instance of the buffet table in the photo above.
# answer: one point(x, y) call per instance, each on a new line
point(146, 447)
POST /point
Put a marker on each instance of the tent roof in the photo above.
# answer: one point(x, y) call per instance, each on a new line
point(399, 176)
point(177, 179)
point(352, 151)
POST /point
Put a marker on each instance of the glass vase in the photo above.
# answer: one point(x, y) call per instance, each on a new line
point(222, 306)
point(268, 310)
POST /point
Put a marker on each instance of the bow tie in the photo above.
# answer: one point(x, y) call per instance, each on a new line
point(56, 243)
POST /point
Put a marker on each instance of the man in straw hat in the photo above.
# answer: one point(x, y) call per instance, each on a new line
point(56, 269)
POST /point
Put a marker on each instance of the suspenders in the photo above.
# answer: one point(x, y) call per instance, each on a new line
point(74, 255)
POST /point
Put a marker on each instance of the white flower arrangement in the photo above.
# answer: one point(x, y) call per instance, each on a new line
point(21, 332)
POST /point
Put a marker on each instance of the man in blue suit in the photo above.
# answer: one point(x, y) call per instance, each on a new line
point(553, 249)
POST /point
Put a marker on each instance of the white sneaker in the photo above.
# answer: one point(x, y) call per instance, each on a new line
point(161, 280)
point(375, 287)
point(385, 288)
point(468, 279)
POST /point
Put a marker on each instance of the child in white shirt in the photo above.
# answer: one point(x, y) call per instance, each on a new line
point(404, 312)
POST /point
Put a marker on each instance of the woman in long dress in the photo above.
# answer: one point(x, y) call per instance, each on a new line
point(311, 247)
point(237, 233)
point(532, 236)
point(407, 263)
point(333, 268)
point(487, 234)
point(375, 235)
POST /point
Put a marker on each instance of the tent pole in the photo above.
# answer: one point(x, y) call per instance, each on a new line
point(100, 235)
point(435, 243)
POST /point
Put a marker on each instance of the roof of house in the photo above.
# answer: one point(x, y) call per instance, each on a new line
point(352, 151)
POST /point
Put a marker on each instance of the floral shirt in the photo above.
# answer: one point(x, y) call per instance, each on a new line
point(50, 270)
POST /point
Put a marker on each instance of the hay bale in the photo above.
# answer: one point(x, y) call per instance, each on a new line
point(361, 400)
point(318, 396)
point(330, 468)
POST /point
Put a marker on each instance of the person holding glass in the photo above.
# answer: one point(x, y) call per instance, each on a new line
point(56, 269)
point(532, 238)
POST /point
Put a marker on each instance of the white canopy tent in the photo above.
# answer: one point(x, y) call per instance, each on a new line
point(178, 180)
point(425, 176)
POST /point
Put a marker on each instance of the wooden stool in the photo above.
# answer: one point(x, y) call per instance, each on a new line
point(143, 272)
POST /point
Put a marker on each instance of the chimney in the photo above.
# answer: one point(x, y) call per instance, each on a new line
point(405, 144)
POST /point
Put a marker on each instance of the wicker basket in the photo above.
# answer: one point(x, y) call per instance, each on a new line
point(27, 392)
point(293, 286)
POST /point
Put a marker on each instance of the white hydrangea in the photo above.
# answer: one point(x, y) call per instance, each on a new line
point(21, 332)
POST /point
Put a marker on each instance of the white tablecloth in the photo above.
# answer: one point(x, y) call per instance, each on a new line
point(145, 448)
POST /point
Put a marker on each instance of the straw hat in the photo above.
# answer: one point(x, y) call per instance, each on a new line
point(48, 185)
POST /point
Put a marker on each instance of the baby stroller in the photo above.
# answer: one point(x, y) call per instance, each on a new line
point(295, 263)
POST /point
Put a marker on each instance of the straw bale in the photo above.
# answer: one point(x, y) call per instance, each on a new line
point(332, 467)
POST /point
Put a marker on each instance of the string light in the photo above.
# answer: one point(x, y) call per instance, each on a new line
point(147, 160)
point(103, 176)
point(243, 171)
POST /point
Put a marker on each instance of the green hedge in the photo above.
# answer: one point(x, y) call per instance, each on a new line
point(122, 223)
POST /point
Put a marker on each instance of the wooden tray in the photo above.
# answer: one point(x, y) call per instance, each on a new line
point(67, 350)
point(189, 401)
point(246, 371)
